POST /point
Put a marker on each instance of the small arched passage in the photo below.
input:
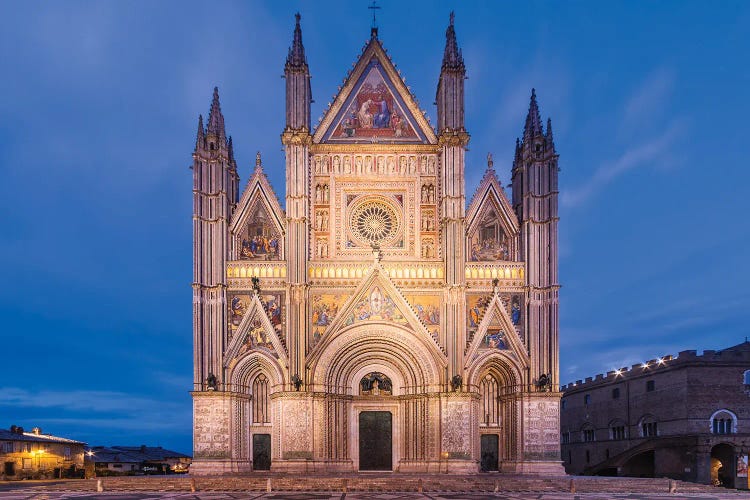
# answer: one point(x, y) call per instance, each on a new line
point(723, 463)
point(640, 465)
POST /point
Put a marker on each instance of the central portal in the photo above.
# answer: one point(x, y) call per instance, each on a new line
point(375, 440)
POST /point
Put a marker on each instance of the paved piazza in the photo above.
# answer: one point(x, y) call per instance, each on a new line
point(33, 493)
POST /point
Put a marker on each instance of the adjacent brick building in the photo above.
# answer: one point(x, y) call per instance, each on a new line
point(686, 417)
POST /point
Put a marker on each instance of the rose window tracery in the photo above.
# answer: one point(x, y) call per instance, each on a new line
point(374, 222)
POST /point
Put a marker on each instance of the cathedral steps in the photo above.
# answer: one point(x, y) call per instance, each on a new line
point(382, 482)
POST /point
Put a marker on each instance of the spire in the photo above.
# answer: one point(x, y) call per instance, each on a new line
point(230, 148)
point(258, 162)
point(200, 137)
point(215, 118)
point(533, 125)
point(550, 141)
point(452, 57)
point(296, 57)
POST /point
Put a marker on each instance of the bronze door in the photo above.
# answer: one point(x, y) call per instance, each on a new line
point(489, 452)
point(261, 452)
point(375, 440)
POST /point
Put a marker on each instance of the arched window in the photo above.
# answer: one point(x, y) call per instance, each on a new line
point(649, 427)
point(617, 430)
point(488, 392)
point(723, 422)
point(588, 433)
point(746, 377)
point(261, 415)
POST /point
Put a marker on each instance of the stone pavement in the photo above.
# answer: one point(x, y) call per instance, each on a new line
point(29, 495)
point(363, 486)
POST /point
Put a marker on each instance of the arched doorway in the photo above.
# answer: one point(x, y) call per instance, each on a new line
point(496, 378)
point(723, 463)
point(377, 378)
point(640, 465)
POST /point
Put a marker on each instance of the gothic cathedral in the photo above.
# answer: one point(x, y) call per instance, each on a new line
point(375, 321)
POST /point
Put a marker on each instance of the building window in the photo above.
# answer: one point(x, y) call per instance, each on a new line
point(588, 434)
point(650, 385)
point(648, 429)
point(261, 415)
point(563, 404)
point(66, 453)
point(616, 393)
point(617, 432)
point(565, 437)
point(587, 399)
point(8, 447)
point(723, 422)
point(746, 377)
point(588, 456)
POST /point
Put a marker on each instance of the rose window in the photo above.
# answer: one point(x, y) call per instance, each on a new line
point(374, 222)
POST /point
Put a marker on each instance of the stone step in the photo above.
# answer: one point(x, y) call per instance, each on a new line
point(384, 483)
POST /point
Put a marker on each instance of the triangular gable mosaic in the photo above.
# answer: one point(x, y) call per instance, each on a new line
point(374, 111)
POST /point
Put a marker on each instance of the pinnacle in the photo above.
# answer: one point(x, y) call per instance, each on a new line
point(258, 162)
point(533, 125)
point(452, 57)
point(296, 57)
point(215, 118)
point(199, 139)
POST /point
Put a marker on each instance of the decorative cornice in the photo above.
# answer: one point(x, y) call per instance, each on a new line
point(367, 147)
point(451, 137)
point(296, 137)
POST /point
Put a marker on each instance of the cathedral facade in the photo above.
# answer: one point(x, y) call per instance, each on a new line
point(377, 321)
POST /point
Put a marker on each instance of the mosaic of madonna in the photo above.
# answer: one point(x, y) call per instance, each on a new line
point(489, 241)
point(260, 239)
point(374, 113)
point(494, 339)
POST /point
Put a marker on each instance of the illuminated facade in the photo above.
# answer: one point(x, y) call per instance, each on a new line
point(34, 455)
point(377, 322)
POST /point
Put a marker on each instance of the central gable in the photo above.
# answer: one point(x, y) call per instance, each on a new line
point(374, 106)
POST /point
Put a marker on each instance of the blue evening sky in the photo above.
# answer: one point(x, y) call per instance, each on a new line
point(99, 100)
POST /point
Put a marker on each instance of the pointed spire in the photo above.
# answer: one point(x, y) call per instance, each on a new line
point(452, 57)
point(258, 162)
point(533, 125)
point(215, 118)
point(200, 137)
point(550, 140)
point(296, 57)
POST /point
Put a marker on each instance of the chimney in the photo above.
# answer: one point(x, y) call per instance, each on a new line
point(37, 430)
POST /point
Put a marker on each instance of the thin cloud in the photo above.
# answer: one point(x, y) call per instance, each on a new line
point(644, 154)
point(97, 401)
point(649, 99)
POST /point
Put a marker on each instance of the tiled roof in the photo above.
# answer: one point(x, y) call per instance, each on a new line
point(135, 454)
point(6, 435)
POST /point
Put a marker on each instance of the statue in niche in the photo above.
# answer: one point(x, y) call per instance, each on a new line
point(376, 384)
point(347, 165)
